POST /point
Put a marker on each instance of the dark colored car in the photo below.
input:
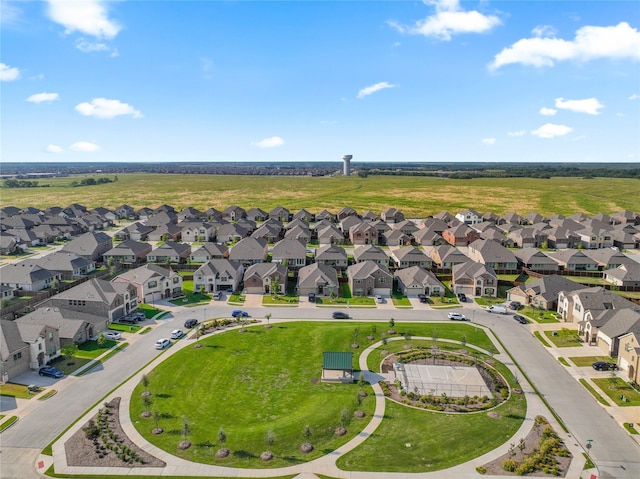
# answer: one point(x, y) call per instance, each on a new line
point(51, 372)
point(514, 305)
point(312, 297)
point(217, 296)
point(340, 315)
point(462, 297)
point(238, 313)
point(520, 319)
point(190, 323)
point(604, 366)
point(422, 298)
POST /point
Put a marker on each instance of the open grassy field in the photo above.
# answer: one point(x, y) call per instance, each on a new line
point(415, 196)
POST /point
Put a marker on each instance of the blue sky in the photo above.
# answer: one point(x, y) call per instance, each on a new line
point(441, 80)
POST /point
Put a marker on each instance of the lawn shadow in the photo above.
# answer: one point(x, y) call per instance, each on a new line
point(163, 396)
point(166, 415)
point(519, 417)
point(207, 444)
point(244, 454)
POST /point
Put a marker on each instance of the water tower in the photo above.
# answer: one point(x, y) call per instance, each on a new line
point(347, 164)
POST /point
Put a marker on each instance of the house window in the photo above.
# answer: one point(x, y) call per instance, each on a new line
point(577, 307)
point(50, 335)
point(382, 279)
point(39, 346)
point(17, 356)
point(176, 280)
point(152, 284)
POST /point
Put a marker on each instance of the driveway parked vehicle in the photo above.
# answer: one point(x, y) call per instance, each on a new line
point(422, 298)
point(462, 297)
point(312, 297)
point(514, 305)
point(112, 335)
point(456, 317)
point(190, 323)
point(340, 315)
point(379, 299)
point(176, 334)
point(217, 296)
point(51, 372)
point(139, 316)
point(238, 313)
point(162, 343)
point(520, 319)
point(604, 366)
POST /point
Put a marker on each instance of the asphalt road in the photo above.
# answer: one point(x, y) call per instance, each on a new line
point(614, 452)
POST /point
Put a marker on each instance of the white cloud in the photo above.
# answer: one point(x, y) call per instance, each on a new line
point(590, 106)
point(105, 108)
point(619, 42)
point(54, 149)
point(551, 130)
point(8, 73)
point(272, 142)
point(488, 141)
point(547, 111)
point(544, 31)
point(84, 146)
point(449, 20)
point(374, 88)
point(86, 46)
point(42, 97)
point(516, 133)
point(87, 16)
point(9, 13)
point(635, 96)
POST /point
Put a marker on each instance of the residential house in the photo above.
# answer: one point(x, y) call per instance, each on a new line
point(460, 235)
point(474, 279)
point(428, 237)
point(344, 212)
point(511, 217)
point(290, 252)
point(161, 218)
point(573, 260)
point(6, 292)
point(498, 237)
point(218, 275)
point(137, 232)
point(410, 256)
point(575, 306)
point(209, 251)
point(363, 233)
point(626, 275)
point(192, 232)
point(627, 217)
point(23, 238)
point(326, 215)
point(191, 213)
point(469, 217)
point(608, 326)
point(98, 297)
point(592, 238)
point(392, 215)
point(126, 212)
point(257, 214)
point(143, 213)
point(262, 278)
point(231, 232)
point(329, 234)
point(406, 226)
point(369, 278)
point(299, 233)
point(152, 282)
point(318, 279)
point(492, 254)
point(247, 224)
point(536, 260)
point(533, 218)
point(249, 251)
point(90, 246)
point(332, 255)
point(212, 214)
point(270, 233)
point(42, 340)
point(625, 237)
point(8, 244)
point(542, 293)
point(446, 256)
point(370, 216)
point(629, 355)
point(608, 258)
point(349, 221)
point(528, 237)
point(165, 232)
point(15, 352)
point(304, 215)
point(417, 280)
point(28, 276)
point(233, 213)
point(170, 252)
point(560, 237)
point(396, 238)
point(371, 253)
point(280, 213)
point(67, 265)
point(128, 252)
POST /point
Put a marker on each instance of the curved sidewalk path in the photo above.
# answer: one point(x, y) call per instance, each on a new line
point(326, 464)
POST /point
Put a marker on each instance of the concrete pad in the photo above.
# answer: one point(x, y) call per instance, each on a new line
point(454, 381)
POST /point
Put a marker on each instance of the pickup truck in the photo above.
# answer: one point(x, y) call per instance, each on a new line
point(497, 308)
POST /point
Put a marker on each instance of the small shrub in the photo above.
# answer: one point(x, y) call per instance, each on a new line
point(509, 465)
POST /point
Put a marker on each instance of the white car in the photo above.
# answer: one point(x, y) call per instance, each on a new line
point(176, 334)
point(162, 343)
point(456, 317)
point(112, 335)
point(379, 299)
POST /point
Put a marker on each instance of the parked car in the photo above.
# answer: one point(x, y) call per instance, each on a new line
point(238, 313)
point(604, 366)
point(190, 323)
point(139, 316)
point(422, 298)
point(51, 372)
point(112, 335)
point(127, 320)
point(462, 297)
point(340, 315)
point(379, 299)
point(176, 334)
point(162, 343)
point(520, 319)
point(514, 305)
point(312, 297)
point(456, 316)
point(217, 295)
point(497, 308)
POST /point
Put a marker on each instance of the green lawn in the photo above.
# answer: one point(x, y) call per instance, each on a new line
point(540, 338)
point(236, 298)
point(68, 366)
point(91, 350)
point(410, 440)
point(269, 300)
point(125, 328)
point(593, 392)
point(582, 361)
point(401, 301)
point(486, 301)
point(149, 310)
point(191, 299)
point(565, 338)
point(19, 391)
point(538, 315)
point(619, 391)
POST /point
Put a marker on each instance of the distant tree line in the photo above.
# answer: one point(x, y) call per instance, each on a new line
point(12, 183)
point(92, 181)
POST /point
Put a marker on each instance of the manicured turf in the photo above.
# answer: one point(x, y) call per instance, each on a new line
point(91, 350)
point(564, 338)
point(15, 390)
point(414, 196)
point(582, 361)
point(619, 391)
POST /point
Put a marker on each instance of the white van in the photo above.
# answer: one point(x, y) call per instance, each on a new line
point(497, 308)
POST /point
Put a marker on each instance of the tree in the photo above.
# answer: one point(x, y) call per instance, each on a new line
point(270, 438)
point(307, 433)
point(186, 431)
point(463, 341)
point(91, 430)
point(356, 335)
point(344, 417)
point(156, 419)
point(146, 403)
point(275, 285)
point(69, 350)
point(55, 284)
point(102, 340)
point(361, 380)
point(222, 436)
point(267, 317)
point(373, 331)
point(144, 381)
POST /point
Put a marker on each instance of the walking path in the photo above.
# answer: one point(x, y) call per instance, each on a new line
point(326, 465)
